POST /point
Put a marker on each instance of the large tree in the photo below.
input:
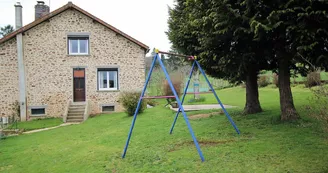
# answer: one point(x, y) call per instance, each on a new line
point(237, 38)
point(6, 30)
point(222, 37)
point(228, 38)
point(296, 31)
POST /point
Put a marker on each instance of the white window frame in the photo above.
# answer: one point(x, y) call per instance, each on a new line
point(107, 73)
point(38, 114)
point(38, 107)
point(78, 45)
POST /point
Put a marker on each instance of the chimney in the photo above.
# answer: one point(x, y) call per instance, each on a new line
point(18, 15)
point(41, 9)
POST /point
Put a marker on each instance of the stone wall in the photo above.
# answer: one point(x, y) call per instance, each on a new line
point(8, 77)
point(49, 68)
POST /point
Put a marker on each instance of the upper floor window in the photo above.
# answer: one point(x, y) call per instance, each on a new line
point(78, 45)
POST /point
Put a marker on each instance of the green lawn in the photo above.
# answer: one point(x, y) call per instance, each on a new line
point(298, 78)
point(265, 144)
point(269, 97)
point(38, 124)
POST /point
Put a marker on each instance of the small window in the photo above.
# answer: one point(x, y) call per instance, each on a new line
point(108, 108)
point(78, 45)
point(108, 79)
point(38, 111)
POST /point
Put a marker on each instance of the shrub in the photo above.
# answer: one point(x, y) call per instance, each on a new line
point(177, 81)
point(2, 136)
point(201, 99)
point(243, 85)
point(263, 81)
point(129, 100)
point(220, 83)
point(151, 102)
point(275, 79)
point(272, 86)
point(313, 79)
point(155, 85)
point(319, 107)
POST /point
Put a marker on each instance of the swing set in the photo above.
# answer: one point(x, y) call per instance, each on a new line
point(175, 95)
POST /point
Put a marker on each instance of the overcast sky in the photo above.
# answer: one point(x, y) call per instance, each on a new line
point(144, 20)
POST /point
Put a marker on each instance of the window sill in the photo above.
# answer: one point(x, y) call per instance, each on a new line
point(41, 115)
point(108, 90)
point(78, 54)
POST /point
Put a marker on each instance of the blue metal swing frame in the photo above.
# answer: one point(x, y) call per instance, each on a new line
point(180, 102)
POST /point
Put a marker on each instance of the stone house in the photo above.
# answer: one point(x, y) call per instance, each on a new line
point(67, 63)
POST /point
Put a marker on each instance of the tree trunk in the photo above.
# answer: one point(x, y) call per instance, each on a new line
point(288, 111)
point(252, 94)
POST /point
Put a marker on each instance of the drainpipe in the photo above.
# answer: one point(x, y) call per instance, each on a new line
point(21, 68)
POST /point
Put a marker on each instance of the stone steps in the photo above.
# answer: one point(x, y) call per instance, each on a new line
point(74, 120)
point(75, 112)
point(75, 117)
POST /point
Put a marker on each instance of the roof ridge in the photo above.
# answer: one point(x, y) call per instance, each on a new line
point(62, 9)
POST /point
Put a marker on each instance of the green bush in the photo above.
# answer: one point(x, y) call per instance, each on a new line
point(272, 86)
point(151, 102)
point(201, 99)
point(129, 100)
point(275, 79)
point(155, 86)
point(263, 81)
point(177, 81)
point(313, 79)
point(2, 136)
point(319, 107)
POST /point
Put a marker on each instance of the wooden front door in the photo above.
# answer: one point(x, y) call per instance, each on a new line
point(79, 85)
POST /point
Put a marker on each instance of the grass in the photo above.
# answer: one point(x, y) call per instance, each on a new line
point(269, 97)
point(264, 145)
point(298, 78)
point(39, 124)
point(324, 76)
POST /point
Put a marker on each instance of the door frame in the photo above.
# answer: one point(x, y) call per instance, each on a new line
point(85, 81)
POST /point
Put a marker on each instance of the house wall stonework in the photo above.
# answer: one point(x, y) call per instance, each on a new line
point(49, 68)
point(8, 77)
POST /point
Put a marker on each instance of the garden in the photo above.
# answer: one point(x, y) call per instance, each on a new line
point(265, 144)
point(268, 59)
